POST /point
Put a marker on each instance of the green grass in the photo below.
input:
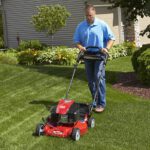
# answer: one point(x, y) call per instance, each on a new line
point(26, 93)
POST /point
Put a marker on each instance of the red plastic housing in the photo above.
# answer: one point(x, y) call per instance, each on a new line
point(63, 106)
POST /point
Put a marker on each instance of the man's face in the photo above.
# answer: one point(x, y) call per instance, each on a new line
point(90, 15)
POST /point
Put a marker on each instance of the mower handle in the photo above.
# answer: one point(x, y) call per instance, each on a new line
point(96, 47)
point(81, 54)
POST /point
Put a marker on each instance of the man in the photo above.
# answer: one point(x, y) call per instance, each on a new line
point(94, 32)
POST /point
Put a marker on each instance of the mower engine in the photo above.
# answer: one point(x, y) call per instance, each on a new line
point(67, 111)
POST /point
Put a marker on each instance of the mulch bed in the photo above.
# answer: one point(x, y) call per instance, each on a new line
point(128, 83)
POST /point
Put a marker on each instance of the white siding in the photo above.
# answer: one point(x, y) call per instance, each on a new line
point(18, 14)
point(143, 22)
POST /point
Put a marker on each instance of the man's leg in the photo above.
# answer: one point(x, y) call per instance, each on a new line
point(100, 73)
point(89, 67)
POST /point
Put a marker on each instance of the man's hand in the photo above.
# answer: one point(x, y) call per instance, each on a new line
point(105, 51)
point(81, 48)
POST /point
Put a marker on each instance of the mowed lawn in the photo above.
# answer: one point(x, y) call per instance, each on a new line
point(26, 93)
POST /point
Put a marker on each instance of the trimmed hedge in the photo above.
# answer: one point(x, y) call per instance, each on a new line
point(141, 63)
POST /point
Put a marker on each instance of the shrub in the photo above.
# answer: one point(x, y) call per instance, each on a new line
point(58, 55)
point(135, 56)
point(120, 50)
point(46, 57)
point(27, 57)
point(143, 70)
point(32, 44)
point(65, 55)
point(141, 63)
point(130, 47)
point(117, 51)
point(8, 58)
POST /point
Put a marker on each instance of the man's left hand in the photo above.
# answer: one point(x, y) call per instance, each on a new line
point(104, 50)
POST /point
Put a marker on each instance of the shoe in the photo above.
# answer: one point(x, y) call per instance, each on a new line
point(99, 109)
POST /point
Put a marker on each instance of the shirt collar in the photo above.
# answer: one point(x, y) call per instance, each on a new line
point(95, 23)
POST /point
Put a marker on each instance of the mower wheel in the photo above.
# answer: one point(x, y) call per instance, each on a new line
point(75, 134)
point(91, 123)
point(39, 129)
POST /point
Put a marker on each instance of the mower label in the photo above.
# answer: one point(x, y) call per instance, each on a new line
point(57, 132)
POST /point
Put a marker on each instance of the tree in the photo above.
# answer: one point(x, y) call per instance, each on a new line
point(132, 9)
point(50, 18)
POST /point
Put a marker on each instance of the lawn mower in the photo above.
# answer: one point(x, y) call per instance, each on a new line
point(70, 118)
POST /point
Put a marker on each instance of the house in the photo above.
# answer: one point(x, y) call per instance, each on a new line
point(17, 25)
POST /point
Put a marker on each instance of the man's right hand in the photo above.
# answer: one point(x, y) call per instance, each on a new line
point(81, 48)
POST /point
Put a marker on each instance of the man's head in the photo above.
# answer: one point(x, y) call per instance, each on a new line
point(90, 13)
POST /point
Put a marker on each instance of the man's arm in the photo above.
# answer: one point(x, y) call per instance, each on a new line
point(108, 46)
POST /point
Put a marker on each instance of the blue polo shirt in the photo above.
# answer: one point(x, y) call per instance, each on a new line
point(96, 34)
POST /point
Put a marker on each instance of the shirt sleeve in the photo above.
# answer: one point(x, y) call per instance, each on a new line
point(108, 33)
point(76, 37)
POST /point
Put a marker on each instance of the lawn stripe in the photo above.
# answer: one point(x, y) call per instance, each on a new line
point(25, 83)
point(20, 123)
point(14, 113)
point(58, 88)
point(37, 82)
point(36, 142)
point(42, 83)
point(14, 76)
point(22, 109)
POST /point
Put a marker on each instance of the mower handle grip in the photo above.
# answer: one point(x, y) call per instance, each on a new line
point(82, 53)
point(100, 52)
point(96, 47)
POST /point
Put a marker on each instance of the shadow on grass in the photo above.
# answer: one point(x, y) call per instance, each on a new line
point(127, 79)
point(47, 104)
point(66, 72)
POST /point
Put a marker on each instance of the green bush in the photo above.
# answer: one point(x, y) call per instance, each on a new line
point(46, 56)
point(32, 44)
point(65, 56)
point(130, 47)
point(8, 58)
point(28, 57)
point(136, 54)
point(143, 70)
point(141, 63)
point(55, 55)
point(58, 55)
point(120, 50)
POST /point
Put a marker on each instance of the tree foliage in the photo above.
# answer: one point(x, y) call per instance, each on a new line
point(50, 18)
point(132, 9)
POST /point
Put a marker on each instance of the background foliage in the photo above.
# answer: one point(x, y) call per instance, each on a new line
point(132, 9)
point(50, 18)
